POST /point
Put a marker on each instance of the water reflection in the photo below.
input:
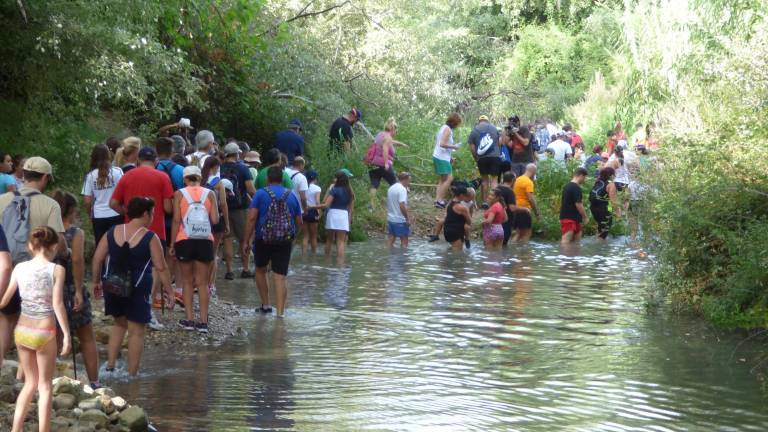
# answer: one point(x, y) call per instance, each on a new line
point(535, 338)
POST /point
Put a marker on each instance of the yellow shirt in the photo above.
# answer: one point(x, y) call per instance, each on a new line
point(522, 186)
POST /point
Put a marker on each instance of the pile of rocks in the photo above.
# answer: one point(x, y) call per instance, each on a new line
point(77, 408)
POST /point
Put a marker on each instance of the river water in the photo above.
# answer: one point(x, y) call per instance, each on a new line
point(530, 339)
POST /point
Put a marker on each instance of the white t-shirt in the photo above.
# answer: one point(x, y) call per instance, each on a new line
point(443, 153)
point(560, 148)
point(396, 194)
point(201, 157)
point(622, 173)
point(102, 194)
point(299, 182)
point(311, 192)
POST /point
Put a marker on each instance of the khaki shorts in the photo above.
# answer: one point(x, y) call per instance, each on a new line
point(237, 221)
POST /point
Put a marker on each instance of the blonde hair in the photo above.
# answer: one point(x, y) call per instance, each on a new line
point(390, 125)
point(130, 145)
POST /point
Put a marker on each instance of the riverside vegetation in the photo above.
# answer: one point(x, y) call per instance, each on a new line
point(74, 73)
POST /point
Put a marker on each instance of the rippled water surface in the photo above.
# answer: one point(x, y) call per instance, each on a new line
point(530, 339)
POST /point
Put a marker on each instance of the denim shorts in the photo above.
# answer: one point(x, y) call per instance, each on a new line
point(398, 229)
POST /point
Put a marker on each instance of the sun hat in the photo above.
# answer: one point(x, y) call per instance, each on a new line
point(252, 157)
point(346, 172)
point(231, 149)
point(192, 171)
point(483, 118)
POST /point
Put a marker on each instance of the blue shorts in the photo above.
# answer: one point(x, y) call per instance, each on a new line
point(136, 308)
point(400, 229)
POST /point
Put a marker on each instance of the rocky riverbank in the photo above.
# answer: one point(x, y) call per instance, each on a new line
point(77, 407)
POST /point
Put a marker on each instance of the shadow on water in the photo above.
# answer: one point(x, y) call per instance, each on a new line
point(539, 337)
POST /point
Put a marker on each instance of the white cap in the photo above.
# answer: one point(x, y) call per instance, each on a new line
point(192, 171)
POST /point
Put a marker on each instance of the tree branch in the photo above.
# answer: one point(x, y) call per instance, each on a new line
point(316, 13)
point(23, 11)
point(304, 14)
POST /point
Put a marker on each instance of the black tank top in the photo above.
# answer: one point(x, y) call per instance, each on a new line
point(452, 218)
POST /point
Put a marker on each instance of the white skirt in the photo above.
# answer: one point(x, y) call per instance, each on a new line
point(336, 219)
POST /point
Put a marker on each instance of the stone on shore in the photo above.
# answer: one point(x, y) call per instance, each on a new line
point(64, 401)
point(95, 416)
point(134, 419)
point(90, 404)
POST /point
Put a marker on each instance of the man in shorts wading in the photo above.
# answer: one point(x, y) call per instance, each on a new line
point(276, 255)
point(572, 213)
point(398, 217)
point(484, 144)
point(526, 204)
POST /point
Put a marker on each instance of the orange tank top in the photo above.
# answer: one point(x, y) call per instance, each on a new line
point(195, 192)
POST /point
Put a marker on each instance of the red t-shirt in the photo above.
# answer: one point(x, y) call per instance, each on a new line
point(146, 182)
point(498, 211)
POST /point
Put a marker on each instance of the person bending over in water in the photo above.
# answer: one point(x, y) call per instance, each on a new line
point(41, 285)
point(458, 219)
point(470, 205)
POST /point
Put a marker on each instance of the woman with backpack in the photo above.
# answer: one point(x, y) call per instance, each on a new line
point(340, 202)
point(603, 201)
point(98, 186)
point(131, 253)
point(214, 182)
point(195, 212)
point(381, 156)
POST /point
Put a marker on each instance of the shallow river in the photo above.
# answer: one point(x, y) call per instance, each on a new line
point(530, 339)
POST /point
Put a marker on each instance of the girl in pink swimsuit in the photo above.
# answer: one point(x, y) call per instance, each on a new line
point(41, 285)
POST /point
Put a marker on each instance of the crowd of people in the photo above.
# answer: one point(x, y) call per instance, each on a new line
point(163, 214)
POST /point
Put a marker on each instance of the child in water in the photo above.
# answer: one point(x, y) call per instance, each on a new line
point(41, 285)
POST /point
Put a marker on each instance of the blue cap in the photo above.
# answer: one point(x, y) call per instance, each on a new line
point(294, 124)
point(358, 113)
point(147, 154)
point(311, 175)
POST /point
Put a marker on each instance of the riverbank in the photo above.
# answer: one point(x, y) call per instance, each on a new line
point(77, 407)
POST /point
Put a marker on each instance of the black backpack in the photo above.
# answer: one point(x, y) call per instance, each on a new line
point(118, 278)
point(234, 201)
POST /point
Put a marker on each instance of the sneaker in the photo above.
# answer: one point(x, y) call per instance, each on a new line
point(97, 385)
point(154, 324)
point(440, 204)
point(245, 274)
point(201, 327)
point(187, 324)
point(265, 309)
point(433, 238)
point(157, 303)
point(229, 276)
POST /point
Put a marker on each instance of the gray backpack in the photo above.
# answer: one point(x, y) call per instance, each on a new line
point(16, 226)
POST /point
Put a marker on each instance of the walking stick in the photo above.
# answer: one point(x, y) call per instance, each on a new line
point(72, 347)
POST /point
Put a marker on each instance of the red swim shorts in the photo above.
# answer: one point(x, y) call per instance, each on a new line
point(567, 225)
